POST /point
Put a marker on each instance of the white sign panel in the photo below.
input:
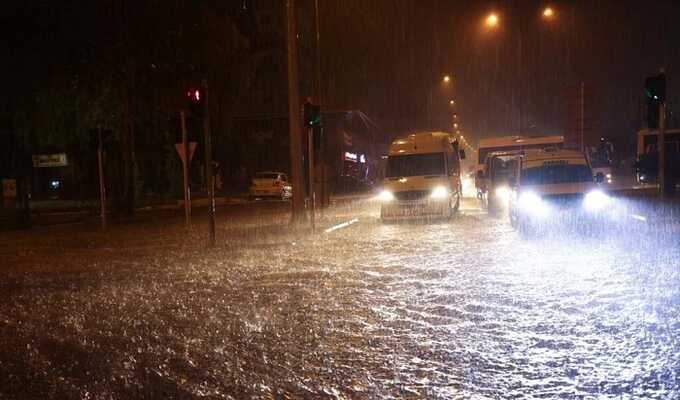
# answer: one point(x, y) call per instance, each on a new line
point(50, 160)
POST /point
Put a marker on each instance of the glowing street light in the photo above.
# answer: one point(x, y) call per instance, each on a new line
point(446, 79)
point(491, 20)
point(548, 13)
point(451, 102)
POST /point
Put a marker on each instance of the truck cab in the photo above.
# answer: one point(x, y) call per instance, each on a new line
point(422, 177)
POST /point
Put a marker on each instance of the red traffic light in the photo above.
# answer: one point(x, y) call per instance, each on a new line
point(194, 95)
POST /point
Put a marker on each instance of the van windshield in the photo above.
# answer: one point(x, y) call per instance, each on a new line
point(555, 174)
point(415, 165)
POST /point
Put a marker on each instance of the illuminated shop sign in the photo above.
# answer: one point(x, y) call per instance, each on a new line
point(351, 156)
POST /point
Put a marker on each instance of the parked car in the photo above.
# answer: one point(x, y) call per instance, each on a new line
point(270, 184)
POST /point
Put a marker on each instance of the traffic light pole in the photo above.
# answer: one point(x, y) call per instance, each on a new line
point(294, 126)
point(661, 145)
point(319, 101)
point(310, 159)
point(210, 184)
point(102, 184)
point(185, 170)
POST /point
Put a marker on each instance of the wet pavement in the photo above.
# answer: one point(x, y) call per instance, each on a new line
point(464, 309)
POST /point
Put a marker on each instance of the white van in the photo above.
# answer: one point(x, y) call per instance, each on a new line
point(422, 177)
point(555, 187)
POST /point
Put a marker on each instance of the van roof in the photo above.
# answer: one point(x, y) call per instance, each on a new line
point(421, 142)
point(552, 154)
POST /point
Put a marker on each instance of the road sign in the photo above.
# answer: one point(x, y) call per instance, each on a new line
point(50, 160)
point(180, 150)
point(9, 188)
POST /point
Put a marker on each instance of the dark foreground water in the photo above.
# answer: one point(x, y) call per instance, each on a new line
point(462, 310)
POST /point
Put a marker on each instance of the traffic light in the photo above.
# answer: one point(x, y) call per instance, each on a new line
point(655, 94)
point(312, 115)
point(195, 98)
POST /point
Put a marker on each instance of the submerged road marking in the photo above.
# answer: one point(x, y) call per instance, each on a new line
point(342, 225)
point(638, 217)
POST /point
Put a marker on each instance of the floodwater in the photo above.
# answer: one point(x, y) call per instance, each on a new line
point(465, 309)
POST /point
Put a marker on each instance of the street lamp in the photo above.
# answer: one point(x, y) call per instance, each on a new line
point(451, 102)
point(445, 81)
point(548, 13)
point(491, 20)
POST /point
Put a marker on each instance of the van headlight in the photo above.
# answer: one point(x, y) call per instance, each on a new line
point(439, 192)
point(385, 195)
point(503, 193)
point(532, 203)
point(595, 201)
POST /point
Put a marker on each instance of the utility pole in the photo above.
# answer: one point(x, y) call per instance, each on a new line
point(318, 100)
point(185, 170)
point(582, 109)
point(102, 184)
point(520, 81)
point(664, 190)
point(210, 184)
point(294, 128)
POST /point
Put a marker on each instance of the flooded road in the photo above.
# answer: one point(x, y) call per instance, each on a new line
point(465, 309)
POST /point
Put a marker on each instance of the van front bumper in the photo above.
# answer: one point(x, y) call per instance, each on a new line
point(430, 208)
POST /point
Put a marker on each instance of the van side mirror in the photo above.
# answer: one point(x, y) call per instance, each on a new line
point(461, 154)
point(599, 177)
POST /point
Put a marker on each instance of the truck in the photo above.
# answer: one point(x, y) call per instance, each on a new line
point(511, 143)
point(422, 177)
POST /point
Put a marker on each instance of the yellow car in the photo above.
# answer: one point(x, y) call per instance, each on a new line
point(271, 185)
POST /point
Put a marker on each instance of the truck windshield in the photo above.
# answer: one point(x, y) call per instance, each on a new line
point(415, 165)
point(554, 174)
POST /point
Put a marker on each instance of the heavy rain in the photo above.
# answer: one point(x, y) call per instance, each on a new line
point(321, 199)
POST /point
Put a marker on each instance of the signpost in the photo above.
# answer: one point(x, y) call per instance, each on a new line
point(186, 153)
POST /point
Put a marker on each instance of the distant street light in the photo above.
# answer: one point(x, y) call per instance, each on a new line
point(445, 81)
point(451, 102)
point(548, 13)
point(491, 20)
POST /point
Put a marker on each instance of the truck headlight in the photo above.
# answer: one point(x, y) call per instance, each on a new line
point(596, 201)
point(385, 195)
point(439, 192)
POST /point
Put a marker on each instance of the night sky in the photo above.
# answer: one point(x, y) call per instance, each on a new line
point(380, 56)
point(610, 46)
